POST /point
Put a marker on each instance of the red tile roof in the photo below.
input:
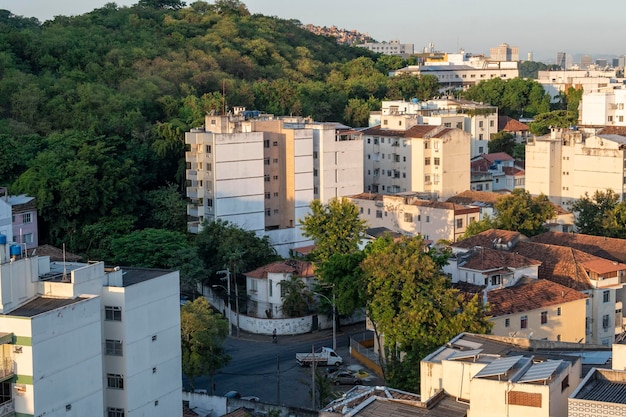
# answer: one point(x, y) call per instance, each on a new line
point(485, 259)
point(513, 171)
point(603, 266)
point(469, 197)
point(497, 156)
point(289, 266)
point(509, 124)
point(603, 247)
point(613, 130)
point(487, 238)
point(531, 295)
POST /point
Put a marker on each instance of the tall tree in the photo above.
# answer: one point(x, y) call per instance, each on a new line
point(593, 212)
point(341, 275)
point(295, 296)
point(413, 306)
point(524, 213)
point(202, 333)
point(335, 227)
point(502, 142)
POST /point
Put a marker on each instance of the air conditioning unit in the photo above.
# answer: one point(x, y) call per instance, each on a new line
point(20, 388)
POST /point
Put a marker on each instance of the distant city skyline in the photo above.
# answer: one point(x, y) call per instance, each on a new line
point(538, 27)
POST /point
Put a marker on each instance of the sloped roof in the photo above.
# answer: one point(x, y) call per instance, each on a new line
point(470, 197)
point(508, 124)
point(487, 238)
point(603, 247)
point(486, 259)
point(530, 295)
point(55, 254)
point(513, 171)
point(559, 264)
point(613, 130)
point(497, 156)
point(288, 266)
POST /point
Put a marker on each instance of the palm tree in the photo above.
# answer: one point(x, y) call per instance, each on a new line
point(295, 296)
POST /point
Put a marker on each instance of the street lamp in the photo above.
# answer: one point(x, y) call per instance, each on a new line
point(332, 303)
point(230, 327)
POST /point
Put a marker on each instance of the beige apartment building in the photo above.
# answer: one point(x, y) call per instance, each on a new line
point(566, 164)
point(408, 214)
point(416, 158)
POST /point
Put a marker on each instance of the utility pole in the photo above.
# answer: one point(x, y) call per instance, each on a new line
point(313, 402)
point(277, 379)
point(226, 272)
point(332, 303)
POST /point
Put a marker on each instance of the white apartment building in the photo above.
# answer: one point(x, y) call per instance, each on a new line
point(479, 120)
point(566, 164)
point(409, 215)
point(262, 173)
point(79, 340)
point(416, 158)
point(393, 47)
point(454, 71)
point(603, 107)
point(557, 82)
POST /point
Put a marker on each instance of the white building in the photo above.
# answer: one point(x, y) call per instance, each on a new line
point(566, 164)
point(261, 173)
point(393, 47)
point(454, 71)
point(604, 107)
point(416, 158)
point(557, 82)
point(79, 340)
point(477, 119)
point(407, 214)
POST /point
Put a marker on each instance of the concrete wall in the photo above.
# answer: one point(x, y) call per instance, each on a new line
point(214, 406)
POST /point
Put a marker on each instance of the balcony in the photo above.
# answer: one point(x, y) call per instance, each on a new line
point(7, 408)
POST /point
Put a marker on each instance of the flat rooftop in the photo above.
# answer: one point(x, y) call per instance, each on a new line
point(42, 305)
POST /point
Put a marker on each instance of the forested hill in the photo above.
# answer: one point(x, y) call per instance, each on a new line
point(93, 108)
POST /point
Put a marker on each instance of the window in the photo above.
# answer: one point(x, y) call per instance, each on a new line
point(404, 159)
point(606, 296)
point(266, 143)
point(115, 412)
point(507, 322)
point(558, 311)
point(379, 214)
point(115, 381)
point(267, 196)
point(113, 347)
point(26, 218)
point(369, 140)
point(605, 321)
point(209, 167)
point(267, 178)
point(112, 313)
point(490, 123)
point(427, 219)
point(268, 212)
point(275, 177)
point(480, 136)
point(523, 322)
point(610, 118)
point(315, 152)
point(275, 143)
point(447, 124)
point(28, 238)
point(154, 337)
point(408, 217)
point(266, 161)
point(544, 317)
point(565, 382)
point(437, 161)
point(425, 144)
point(480, 124)
point(427, 161)
point(496, 280)
point(459, 223)
point(481, 149)
point(208, 148)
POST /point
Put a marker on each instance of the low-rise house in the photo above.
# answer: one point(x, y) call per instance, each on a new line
point(408, 214)
point(501, 376)
point(519, 130)
point(264, 289)
point(602, 280)
point(496, 172)
point(21, 213)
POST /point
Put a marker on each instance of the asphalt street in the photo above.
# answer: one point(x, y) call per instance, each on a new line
point(270, 372)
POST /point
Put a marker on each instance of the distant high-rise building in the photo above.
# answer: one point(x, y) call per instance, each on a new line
point(601, 62)
point(504, 52)
point(586, 61)
point(560, 59)
point(530, 56)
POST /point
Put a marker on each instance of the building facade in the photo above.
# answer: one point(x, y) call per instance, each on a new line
point(393, 47)
point(566, 164)
point(416, 158)
point(79, 339)
point(603, 107)
point(261, 173)
point(504, 52)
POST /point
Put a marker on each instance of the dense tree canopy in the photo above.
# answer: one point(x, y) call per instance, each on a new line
point(413, 306)
point(336, 227)
point(601, 214)
point(93, 108)
point(202, 333)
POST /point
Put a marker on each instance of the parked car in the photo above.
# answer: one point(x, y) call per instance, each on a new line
point(345, 378)
point(251, 398)
point(233, 394)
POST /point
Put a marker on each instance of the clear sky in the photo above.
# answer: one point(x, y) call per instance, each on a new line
point(539, 26)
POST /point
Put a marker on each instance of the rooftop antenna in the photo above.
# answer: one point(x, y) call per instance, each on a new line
point(64, 266)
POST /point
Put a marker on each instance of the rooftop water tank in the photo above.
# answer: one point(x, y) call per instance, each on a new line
point(15, 250)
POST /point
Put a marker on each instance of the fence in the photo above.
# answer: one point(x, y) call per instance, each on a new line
point(362, 349)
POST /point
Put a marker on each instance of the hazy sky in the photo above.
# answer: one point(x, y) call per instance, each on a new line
point(539, 26)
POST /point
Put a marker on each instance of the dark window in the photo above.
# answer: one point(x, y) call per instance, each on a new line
point(606, 296)
point(112, 313)
point(523, 322)
point(115, 412)
point(114, 347)
point(507, 322)
point(115, 381)
point(544, 317)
